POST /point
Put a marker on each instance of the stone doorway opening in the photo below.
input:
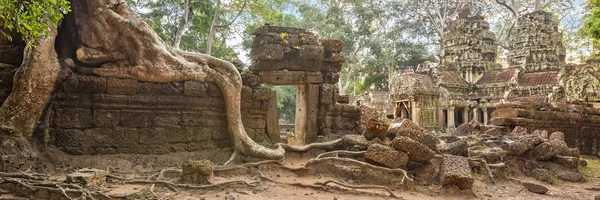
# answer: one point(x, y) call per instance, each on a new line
point(286, 109)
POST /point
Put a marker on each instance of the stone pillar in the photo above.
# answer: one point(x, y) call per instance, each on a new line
point(440, 116)
point(273, 119)
point(451, 117)
point(466, 115)
point(476, 114)
point(485, 116)
point(414, 112)
point(307, 109)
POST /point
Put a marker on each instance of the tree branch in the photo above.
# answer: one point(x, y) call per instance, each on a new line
point(233, 20)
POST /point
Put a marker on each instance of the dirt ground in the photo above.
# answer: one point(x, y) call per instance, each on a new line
point(278, 182)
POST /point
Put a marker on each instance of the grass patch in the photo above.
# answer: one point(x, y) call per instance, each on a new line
point(593, 166)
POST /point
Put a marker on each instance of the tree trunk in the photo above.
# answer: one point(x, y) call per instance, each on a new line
point(31, 93)
point(185, 23)
point(213, 26)
point(537, 5)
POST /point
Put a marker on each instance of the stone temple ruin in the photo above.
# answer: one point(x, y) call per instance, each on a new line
point(469, 85)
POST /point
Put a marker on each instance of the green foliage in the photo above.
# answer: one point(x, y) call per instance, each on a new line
point(592, 23)
point(31, 18)
point(286, 102)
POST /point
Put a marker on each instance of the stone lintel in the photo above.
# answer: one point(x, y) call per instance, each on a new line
point(289, 77)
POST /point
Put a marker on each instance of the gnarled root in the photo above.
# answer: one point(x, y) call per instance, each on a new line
point(482, 163)
point(341, 152)
point(143, 56)
point(387, 189)
point(359, 163)
point(331, 145)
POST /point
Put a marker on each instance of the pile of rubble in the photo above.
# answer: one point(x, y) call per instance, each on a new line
point(452, 160)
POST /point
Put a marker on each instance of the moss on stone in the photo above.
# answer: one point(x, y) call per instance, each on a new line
point(205, 167)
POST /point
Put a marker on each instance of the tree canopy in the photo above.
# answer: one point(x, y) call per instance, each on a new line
point(31, 18)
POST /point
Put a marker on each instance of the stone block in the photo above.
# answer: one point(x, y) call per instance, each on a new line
point(331, 67)
point(87, 178)
point(386, 156)
point(214, 90)
point(121, 86)
point(455, 170)
point(332, 45)
point(331, 77)
point(457, 148)
point(355, 142)
point(535, 188)
point(92, 85)
point(417, 152)
point(173, 88)
point(567, 161)
point(267, 52)
point(67, 137)
point(198, 172)
point(343, 99)
point(291, 64)
point(71, 84)
point(73, 118)
point(194, 88)
point(428, 173)
point(405, 127)
point(279, 29)
point(250, 80)
point(463, 129)
point(334, 57)
point(310, 52)
point(376, 129)
point(218, 133)
point(136, 118)
point(106, 118)
point(261, 94)
point(167, 119)
point(290, 77)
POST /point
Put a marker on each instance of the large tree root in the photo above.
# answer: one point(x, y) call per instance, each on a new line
point(361, 187)
point(341, 152)
point(359, 163)
point(331, 145)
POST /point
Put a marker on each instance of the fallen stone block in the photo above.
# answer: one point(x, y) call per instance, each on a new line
point(543, 175)
point(198, 172)
point(455, 170)
point(382, 155)
point(518, 131)
point(355, 142)
point(416, 151)
point(490, 155)
point(405, 127)
point(494, 132)
point(543, 134)
point(463, 129)
point(428, 172)
point(570, 176)
point(567, 161)
point(547, 150)
point(514, 148)
point(457, 148)
point(87, 177)
point(376, 129)
point(557, 136)
point(535, 188)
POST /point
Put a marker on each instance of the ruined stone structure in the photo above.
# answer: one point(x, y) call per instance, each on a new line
point(536, 43)
point(469, 85)
point(98, 115)
point(469, 47)
point(292, 56)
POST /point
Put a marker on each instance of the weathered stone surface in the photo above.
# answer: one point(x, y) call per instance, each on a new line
point(529, 141)
point(268, 52)
point(386, 156)
point(197, 172)
point(194, 88)
point(376, 129)
point(405, 127)
point(490, 155)
point(535, 188)
point(545, 151)
point(494, 132)
point(333, 45)
point(416, 151)
point(518, 131)
point(542, 134)
point(458, 148)
point(250, 79)
point(121, 86)
point(279, 29)
point(331, 77)
point(557, 136)
point(344, 99)
point(567, 161)
point(331, 67)
point(515, 148)
point(261, 94)
point(334, 57)
point(455, 170)
point(358, 142)
point(73, 118)
point(88, 178)
point(570, 176)
point(428, 173)
point(543, 175)
point(463, 129)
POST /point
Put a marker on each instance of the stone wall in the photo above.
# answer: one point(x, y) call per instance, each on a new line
point(97, 115)
point(581, 125)
point(293, 56)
